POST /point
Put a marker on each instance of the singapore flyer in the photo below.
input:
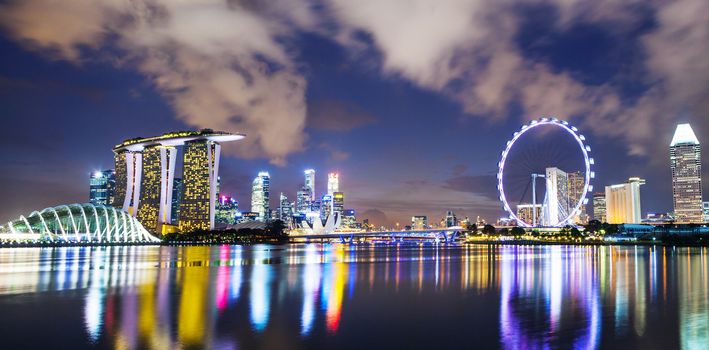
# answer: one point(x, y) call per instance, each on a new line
point(544, 175)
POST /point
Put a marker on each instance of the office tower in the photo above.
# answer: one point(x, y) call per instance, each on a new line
point(156, 186)
point(686, 165)
point(227, 211)
point(419, 222)
point(325, 206)
point(176, 200)
point(199, 185)
point(310, 183)
point(102, 187)
point(451, 220)
point(527, 215)
point(349, 218)
point(575, 184)
point(338, 203)
point(129, 170)
point(303, 202)
point(556, 206)
point(285, 208)
point(333, 183)
point(705, 211)
point(599, 206)
point(260, 195)
point(623, 202)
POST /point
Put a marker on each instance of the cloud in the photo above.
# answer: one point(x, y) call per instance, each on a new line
point(221, 64)
point(337, 115)
point(335, 153)
point(467, 51)
point(483, 185)
point(232, 64)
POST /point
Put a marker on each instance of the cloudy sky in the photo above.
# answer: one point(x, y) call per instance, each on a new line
point(411, 101)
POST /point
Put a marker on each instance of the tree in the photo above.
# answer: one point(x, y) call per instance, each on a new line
point(594, 226)
point(517, 232)
point(489, 229)
point(472, 229)
point(276, 228)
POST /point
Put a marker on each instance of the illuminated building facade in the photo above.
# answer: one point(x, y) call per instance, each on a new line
point(599, 207)
point(623, 202)
point(419, 222)
point(176, 199)
point(102, 187)
point(325, 206)
point(349, 218)
point(686, 166)
point(556, 206)
point(338, 203)
point(199, 185)
point(527, 212)
point(227, 211)
point(575, 184)
point(333, 183)
point(705, 211)
point(260, 195)
point(285, 208)
point(451, 219)
point(303, 201)
point(310, 183)
point(145, 183)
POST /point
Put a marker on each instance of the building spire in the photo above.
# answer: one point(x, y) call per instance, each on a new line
point(684, 135)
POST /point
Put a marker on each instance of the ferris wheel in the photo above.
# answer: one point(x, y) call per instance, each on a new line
point(552, 150)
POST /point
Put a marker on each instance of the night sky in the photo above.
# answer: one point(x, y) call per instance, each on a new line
point(412, 102)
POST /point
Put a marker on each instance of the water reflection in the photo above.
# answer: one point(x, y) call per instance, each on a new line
point(543, 296)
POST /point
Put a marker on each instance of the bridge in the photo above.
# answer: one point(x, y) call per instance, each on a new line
point(445, 235)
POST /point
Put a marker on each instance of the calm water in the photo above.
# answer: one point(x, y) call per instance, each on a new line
point(347, 297)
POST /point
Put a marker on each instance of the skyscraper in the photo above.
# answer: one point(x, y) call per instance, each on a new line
point(599, 206)
point(576, 181)
point(333, 183)
point(686, 165)
point(303, 200)
point(338, 203)
point(129, 170)
point(102, 187)
point(310, 183)
point(556, 206)
point(623, 202)
point(527, 212)
point(156, 186)
point(199, 185)
point(285, 208)
point(176, 200)
point(419, 222)
point(260, 195)
point(227, 211)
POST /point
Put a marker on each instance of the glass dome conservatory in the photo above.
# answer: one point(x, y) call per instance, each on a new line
point(77, 223)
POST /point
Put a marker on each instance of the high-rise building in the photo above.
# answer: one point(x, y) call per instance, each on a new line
point(706, 211)
point(419, 222)
point(349, 218)
point(333, 183)
point(260, 195)
point(285, 208)
point(338, 203)
point(310, 183)
point(145, 173)
point(325, 206)
point(599, 206)
point(451, 219)
point(303, 200)
point(102, 187)
point(227, 211)
point(528, 212)
point(176, 199)
point(576, 182)
point(623, 202)
point(686, 165)
point(556, 207)
point(156, 186)
point(199, 185)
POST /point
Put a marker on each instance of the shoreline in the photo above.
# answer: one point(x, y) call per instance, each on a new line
point(271, 242)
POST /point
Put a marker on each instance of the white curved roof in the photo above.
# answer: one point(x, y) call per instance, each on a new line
point(177, 139)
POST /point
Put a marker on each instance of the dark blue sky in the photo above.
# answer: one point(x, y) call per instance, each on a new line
point(414, 119)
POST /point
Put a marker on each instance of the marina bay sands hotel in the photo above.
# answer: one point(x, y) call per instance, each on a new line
point(145, 171)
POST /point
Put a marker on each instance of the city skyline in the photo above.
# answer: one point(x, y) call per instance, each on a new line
point(399, 127)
